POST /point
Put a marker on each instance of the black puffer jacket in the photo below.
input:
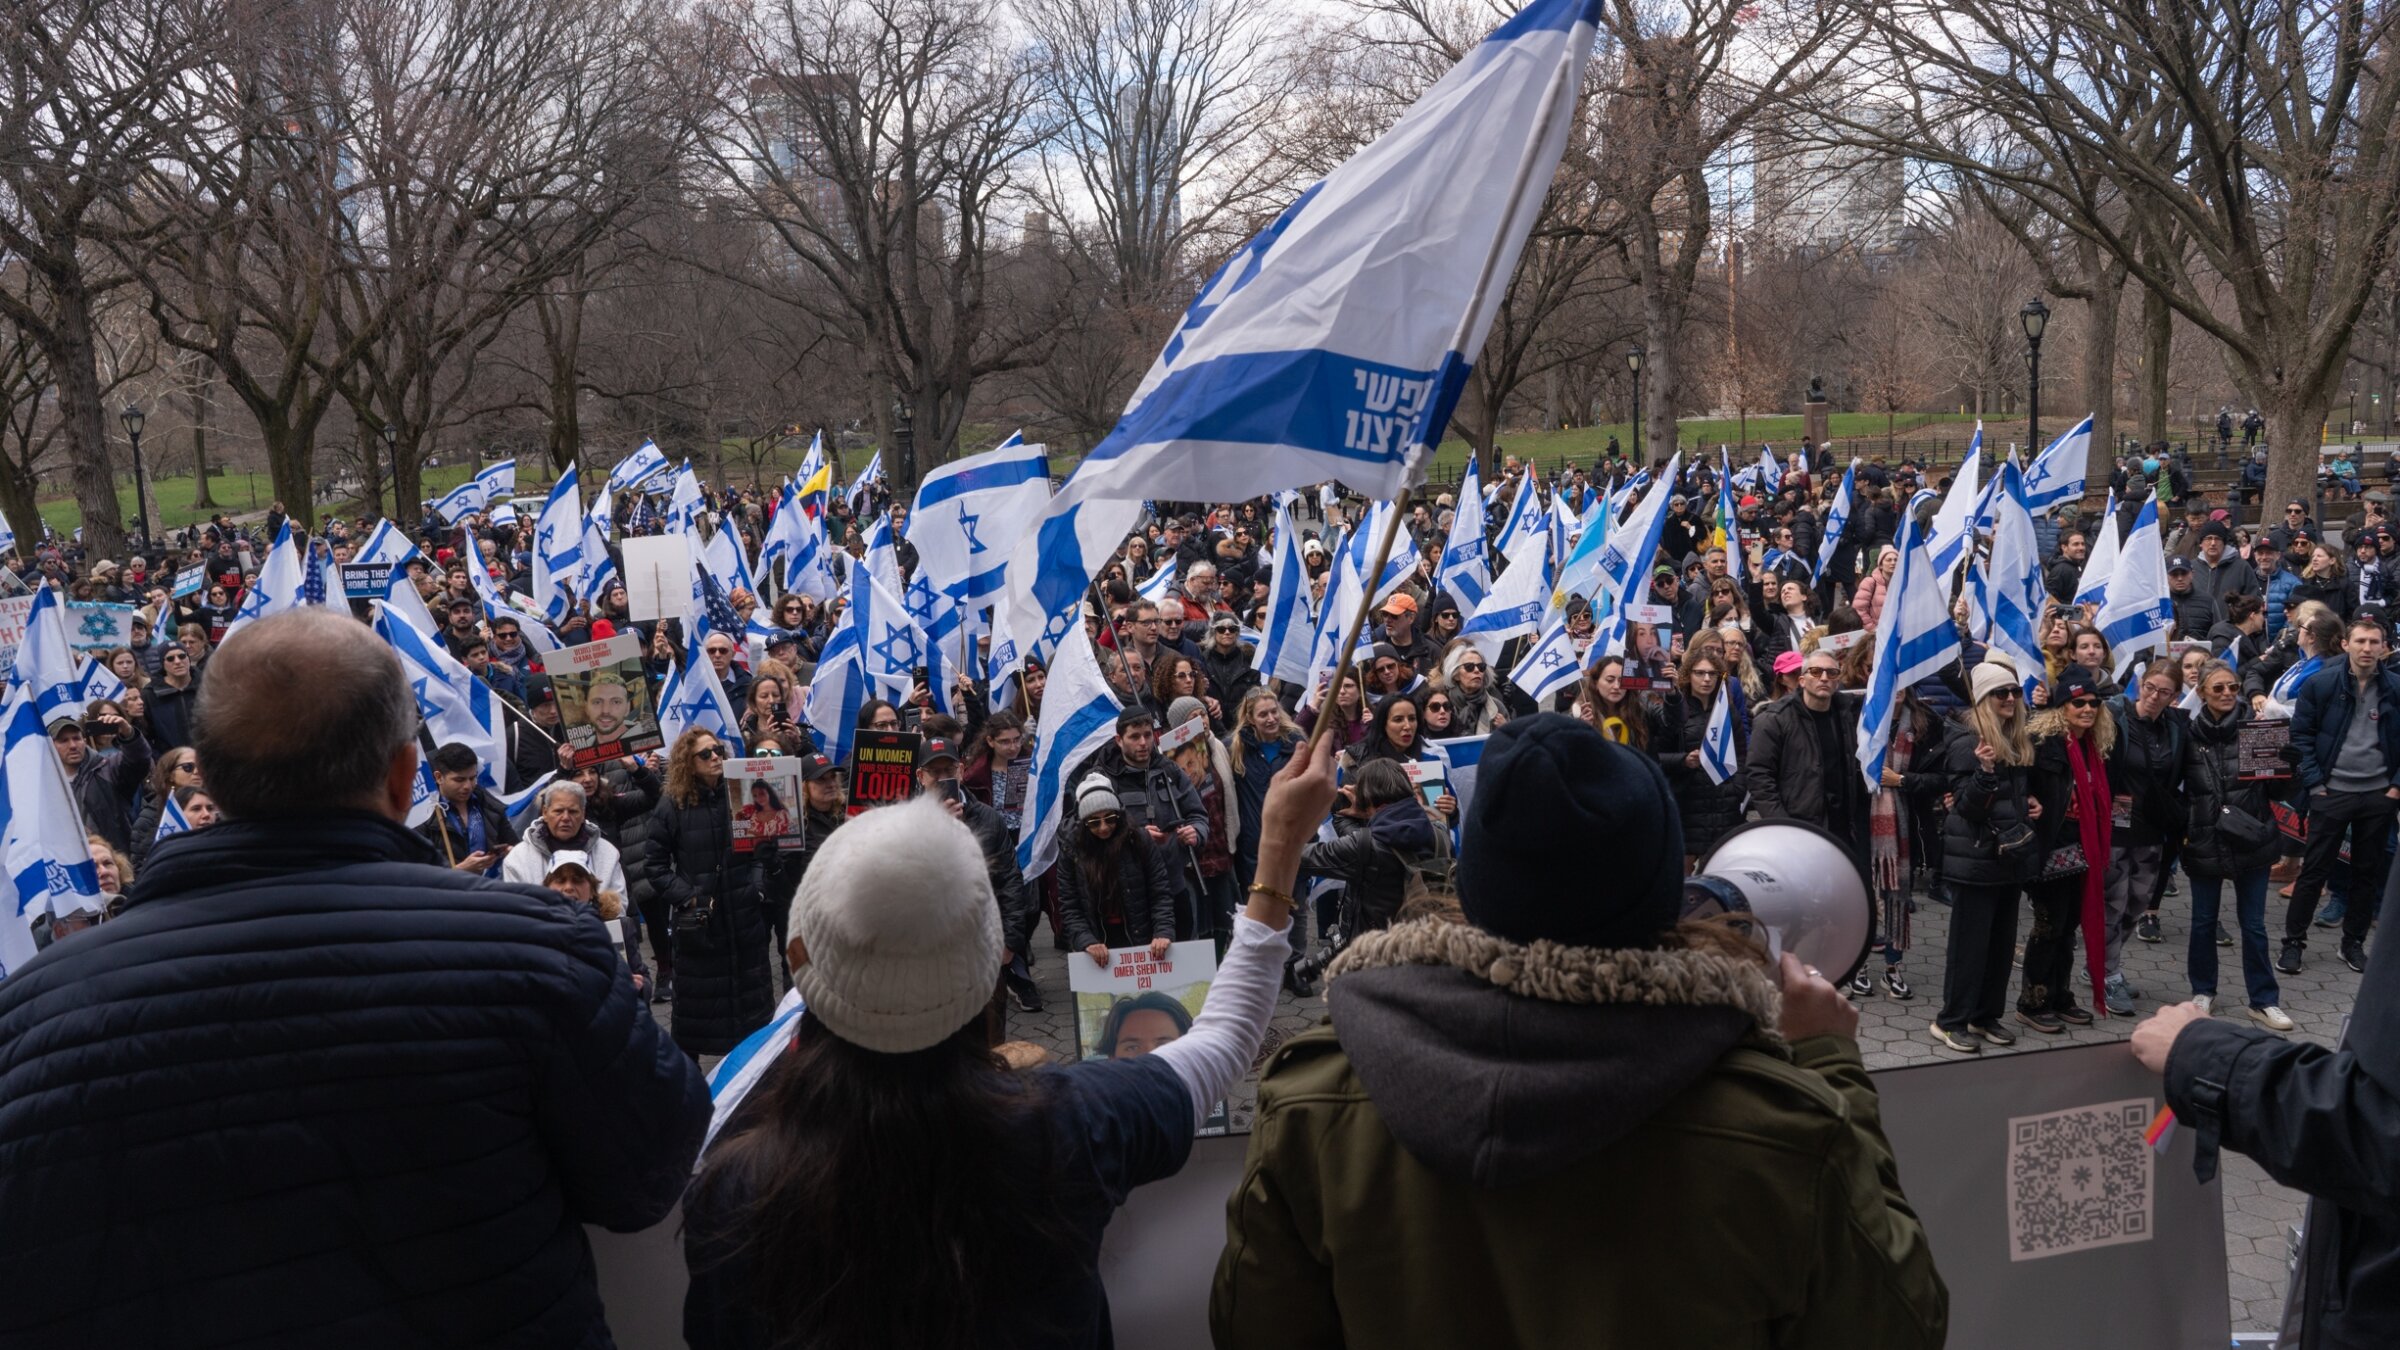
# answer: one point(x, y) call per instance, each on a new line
point(2146, 763)
point(1783, 765)
point(623, 814)
point(724, 984)
point(1373, 858)
point(2211, 761)
point(1708, 809)
point(372, 1103)
point(1145, 895)
point(999, 844)
point(1984, 806)
point(171, 713)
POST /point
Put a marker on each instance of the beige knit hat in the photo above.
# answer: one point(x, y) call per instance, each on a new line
point(902, 933)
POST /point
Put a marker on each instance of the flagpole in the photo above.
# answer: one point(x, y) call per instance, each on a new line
point(1329, 708)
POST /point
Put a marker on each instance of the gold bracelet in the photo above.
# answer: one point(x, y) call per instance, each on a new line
point(1262, 888)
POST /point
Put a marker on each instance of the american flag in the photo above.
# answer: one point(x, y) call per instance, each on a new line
point(717, 605)
point(312, 581)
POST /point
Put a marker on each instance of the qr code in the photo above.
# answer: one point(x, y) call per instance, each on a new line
point(2078, 1179)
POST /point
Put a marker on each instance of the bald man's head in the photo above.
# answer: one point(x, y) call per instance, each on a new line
point(304, 714)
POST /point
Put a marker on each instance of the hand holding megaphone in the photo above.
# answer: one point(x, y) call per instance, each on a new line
point(1798, 885)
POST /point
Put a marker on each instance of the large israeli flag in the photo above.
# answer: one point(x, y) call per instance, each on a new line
point(784, 533)
point(1579, 574)
point(1622, 566)
point(1335, 344)
point(42, 846)
point(2057, 475)
point(387, 546)
point(460, 502)
point(1079, 715)
point(1954, 520)
point(970, 513)
point(558, 549)
point(1049, 576)
point(2008, 584)
point(1463, 572)
point(2138, 614)
point(940, 622)
point(497, 605)
point(1717, 757)
point(1524, 513)
point(808, 569)
point(637, 468)
point(277, 587)
point(683, 500)
point(1283, 648)
point(1770, 475)
point(46, 667)
point(499, 480)
point(891, 643)
point(1551, 663)
point(1837, 519)
point(1519, 599)
point(1348, 588)
point(1914, 639)
point(839, 689)
point(692, 696)
point(454, 704)
point(2091, 586)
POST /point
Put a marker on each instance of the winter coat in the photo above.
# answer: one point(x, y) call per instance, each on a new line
point(530, 859)
point(1250, 785)
point(2211, 761)
point(1018, 908)
point(1708, 809)
point(1229, 677)
point(1157, 794)
point(2321, 717)
point(1144, 899)
point(1985, 804)
point(2146, 764)
point(1373, 858)
point(106, 786)
point(2230, 575)
point(1416, 1162)
point(171, 715)
point(2278, 593)
point(1784, 772)
point(2195, 614)
point(2339, 595)
point(498, 835)
point(724, 984)
point(373, 1104)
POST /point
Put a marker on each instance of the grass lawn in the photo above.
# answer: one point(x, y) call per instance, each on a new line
point(1584, 444)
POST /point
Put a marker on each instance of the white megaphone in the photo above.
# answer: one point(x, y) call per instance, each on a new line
point(1798, 883)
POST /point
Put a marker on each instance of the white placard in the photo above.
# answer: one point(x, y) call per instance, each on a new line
point(1840, 642)
point(14, 611)
point(594, 655)
point(1654, 615)
point(658, 576)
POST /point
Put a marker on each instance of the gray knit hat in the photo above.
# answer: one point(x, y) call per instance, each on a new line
point(903, 938)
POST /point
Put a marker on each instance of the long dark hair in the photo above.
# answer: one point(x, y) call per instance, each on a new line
point(888, 1199)
point(1098, 857)
point(1378, 743)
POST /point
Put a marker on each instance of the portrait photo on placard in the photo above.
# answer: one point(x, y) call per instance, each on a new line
point(765, 796)
point(606, 713)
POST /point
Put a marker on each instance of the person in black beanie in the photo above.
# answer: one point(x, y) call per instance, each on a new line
point(1571, 1050)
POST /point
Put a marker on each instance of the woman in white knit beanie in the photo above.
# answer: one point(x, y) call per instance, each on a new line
point(886, 1180)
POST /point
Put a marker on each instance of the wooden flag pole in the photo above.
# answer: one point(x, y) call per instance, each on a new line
point(1328, 710)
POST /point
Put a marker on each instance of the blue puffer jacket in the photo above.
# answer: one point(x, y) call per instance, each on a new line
point(309, 1090)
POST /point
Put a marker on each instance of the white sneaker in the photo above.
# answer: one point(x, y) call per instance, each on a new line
point(2208, 1004)
point(2272, 1018)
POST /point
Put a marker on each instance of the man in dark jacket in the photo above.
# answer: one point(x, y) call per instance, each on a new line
point(2195, 612)
point(1157, 799)
point(2346, 732)
point(105, 785)
point(2220, 572)
point(2065, 571)
point(1228, 663)
point(171, 703)
point(1803, 760)
point(329, 1130)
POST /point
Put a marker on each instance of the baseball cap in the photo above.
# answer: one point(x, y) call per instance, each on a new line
point(1403, 603)
point(814, 767)
point(539, 692)
point(2175, 565)
point(1789, 663)
point(938, 748)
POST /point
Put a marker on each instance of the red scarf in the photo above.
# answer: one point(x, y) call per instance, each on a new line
point(2089, 807)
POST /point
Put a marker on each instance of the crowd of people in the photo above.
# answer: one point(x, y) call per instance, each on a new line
point(2104, 802)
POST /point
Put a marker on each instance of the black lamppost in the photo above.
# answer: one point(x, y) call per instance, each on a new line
point(133, 417)
point(904, 441)
point(2036, 317)
point(391, 463)
point(1641, 425)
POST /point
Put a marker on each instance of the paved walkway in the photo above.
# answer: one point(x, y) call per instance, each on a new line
point(2259, 1215)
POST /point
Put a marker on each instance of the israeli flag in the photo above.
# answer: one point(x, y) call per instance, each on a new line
point(1717, 757)
point(460, 502)
point(741, 1070)
point(683, 500)
point(1079, 715)
point(1462, 759)
point(519, 805)
point(1770, 477)
point(637, 468)
point(1954, 522)
point(1284, 647)
point(1837, 519)
point(1336, 343)
point(839, 689)
point(504, 514)
point(937, 618)
point(99, 682)
point(497, 605)
point(46, 668)
point(558, 549)
point(1348, 589)
point(1158, 584)
point(1049, 576)
point(1551, 663)
point(808, 568)
point(1518, 602)
point(1914, 639)
point(42, 846)
point(722, 556)
point(2008, 584)
point(2091, 587)
point(1580, 573)
point(1623, 563)
point(784, 533)
point(1729, 520)
point(891, 644)
point(499, 480)
point(454, 704)
point(883, 554)
point(816, 478)
point(277, 587)
point(2057, 475)
point(1524, 514)
point(970, 513)
point(2138, 614)
point(1463, 572)
point(599, 568)
point(8, 538)
point(692, 696)
point(171, 820)
point(387, 546)
point(857, 495)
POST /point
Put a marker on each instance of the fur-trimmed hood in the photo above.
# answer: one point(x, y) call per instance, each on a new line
point(1499, 1063)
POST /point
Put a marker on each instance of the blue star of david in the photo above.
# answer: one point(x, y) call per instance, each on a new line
point(425, 706)
point(898, 648)
point(920, 595)
point(967, 523)
point(97, 626)
point(1055, 631)
point(694, 706)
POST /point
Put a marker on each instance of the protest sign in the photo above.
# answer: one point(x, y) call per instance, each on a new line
point(766, 800)
point(657, 571)
point(189, 581)
point(883, 768)
point(1654, 615)
point(2260, 744)
point(366, 581)
point(14, 611)
point(1428, 777)
point(96, 625)
point(604, 702)
point(1136, 1002)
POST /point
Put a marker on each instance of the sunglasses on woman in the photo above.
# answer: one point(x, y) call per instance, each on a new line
point(712, 752)
point(1437, 706)
point(1111, 819)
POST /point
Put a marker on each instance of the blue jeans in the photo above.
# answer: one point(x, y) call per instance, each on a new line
point(2250, 913)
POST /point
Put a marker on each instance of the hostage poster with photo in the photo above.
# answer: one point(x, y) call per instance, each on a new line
point(604, 702)
point(1136, 1002)
point(766, 800)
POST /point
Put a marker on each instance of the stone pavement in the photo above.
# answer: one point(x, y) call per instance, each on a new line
point(2259, 1214)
